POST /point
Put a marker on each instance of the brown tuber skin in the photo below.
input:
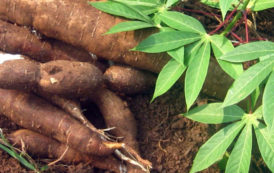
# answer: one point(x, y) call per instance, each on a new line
point(81, 25)
point(36, 114)
point(117, 114)
point(125, 79)
point(19, 40)
point(68, 78)
point(42, 146)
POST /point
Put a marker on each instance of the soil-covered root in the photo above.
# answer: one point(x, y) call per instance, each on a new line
point(20, 40)
point(125, 79)
point(36, 114)
point(72, 107)
point(117, 114)
point(44, 147)
point(79, 24)
point(68, 78)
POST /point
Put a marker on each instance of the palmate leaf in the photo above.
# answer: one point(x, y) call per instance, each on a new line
point(239, 160)
point(196, 74)
point(248, 81)
point(265, 142)
point(129, 26)
point(214, 113)
point(182, 22)
point(224, 6)
point(170, 73)
point(268, 103)
point(164, 41)
point(220, 45)
point(255, 96)
point(249, 51)
point(215, 147)
point(120, 9)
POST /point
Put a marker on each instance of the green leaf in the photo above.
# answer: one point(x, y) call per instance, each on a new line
point(164, 41)
point(239, 160)
point(171, 2)
point(268, 103)
point(220, 45)
point(178, 55)
point(265, 142)
point(120, 9)
point(170, 73)
point(255, 96)
point(263, 4)
point(196, 74)
point(191, 51)
point(248, 81)
point(249, 51)
point(224, 6)
point(215, 147)
point(145, 3)
point(214, 113)
point(128, 26)
point(182, 22)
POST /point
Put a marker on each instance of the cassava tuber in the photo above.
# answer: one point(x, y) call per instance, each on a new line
point(70, 78)
point(79, 24)
point(125, 79)
point(44, 147)
point(20, 40)
point(36, 114)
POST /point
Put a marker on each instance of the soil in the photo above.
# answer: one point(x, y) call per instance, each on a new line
point(166, 138)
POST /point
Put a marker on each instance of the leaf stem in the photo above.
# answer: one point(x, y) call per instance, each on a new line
point(235, 19)
point(246, 27)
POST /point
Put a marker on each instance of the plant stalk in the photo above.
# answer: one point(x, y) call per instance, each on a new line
point(235, 19)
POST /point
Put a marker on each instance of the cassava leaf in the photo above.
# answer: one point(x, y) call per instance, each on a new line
point(215, 147)
point(265, 142)
point(178, 55)
point(196, 73)
point(170, 73)
point(145, 3)
point(240, 157)
point(129, 26)
point(249, 51)
point(220, 45)
point(262, 5)
point(214, 113)
point(224, 6)
point(171, 2)
point(164, 41)
point(248, 81)
point(191, 50)
point(255, 96)
point(268, 103)
point(120, 9)
point(182, 22)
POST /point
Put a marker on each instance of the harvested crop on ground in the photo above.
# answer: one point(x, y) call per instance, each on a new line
point(36, 114)
point(44, 147)
point(117, 114)
point(70, 106)
point(20, 40)
point(81, 25)
point(70, 78)
point(125, 79)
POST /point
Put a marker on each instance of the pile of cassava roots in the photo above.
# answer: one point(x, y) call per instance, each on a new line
point(65, 59)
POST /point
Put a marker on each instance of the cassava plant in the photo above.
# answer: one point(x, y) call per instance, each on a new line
point(189, 45)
